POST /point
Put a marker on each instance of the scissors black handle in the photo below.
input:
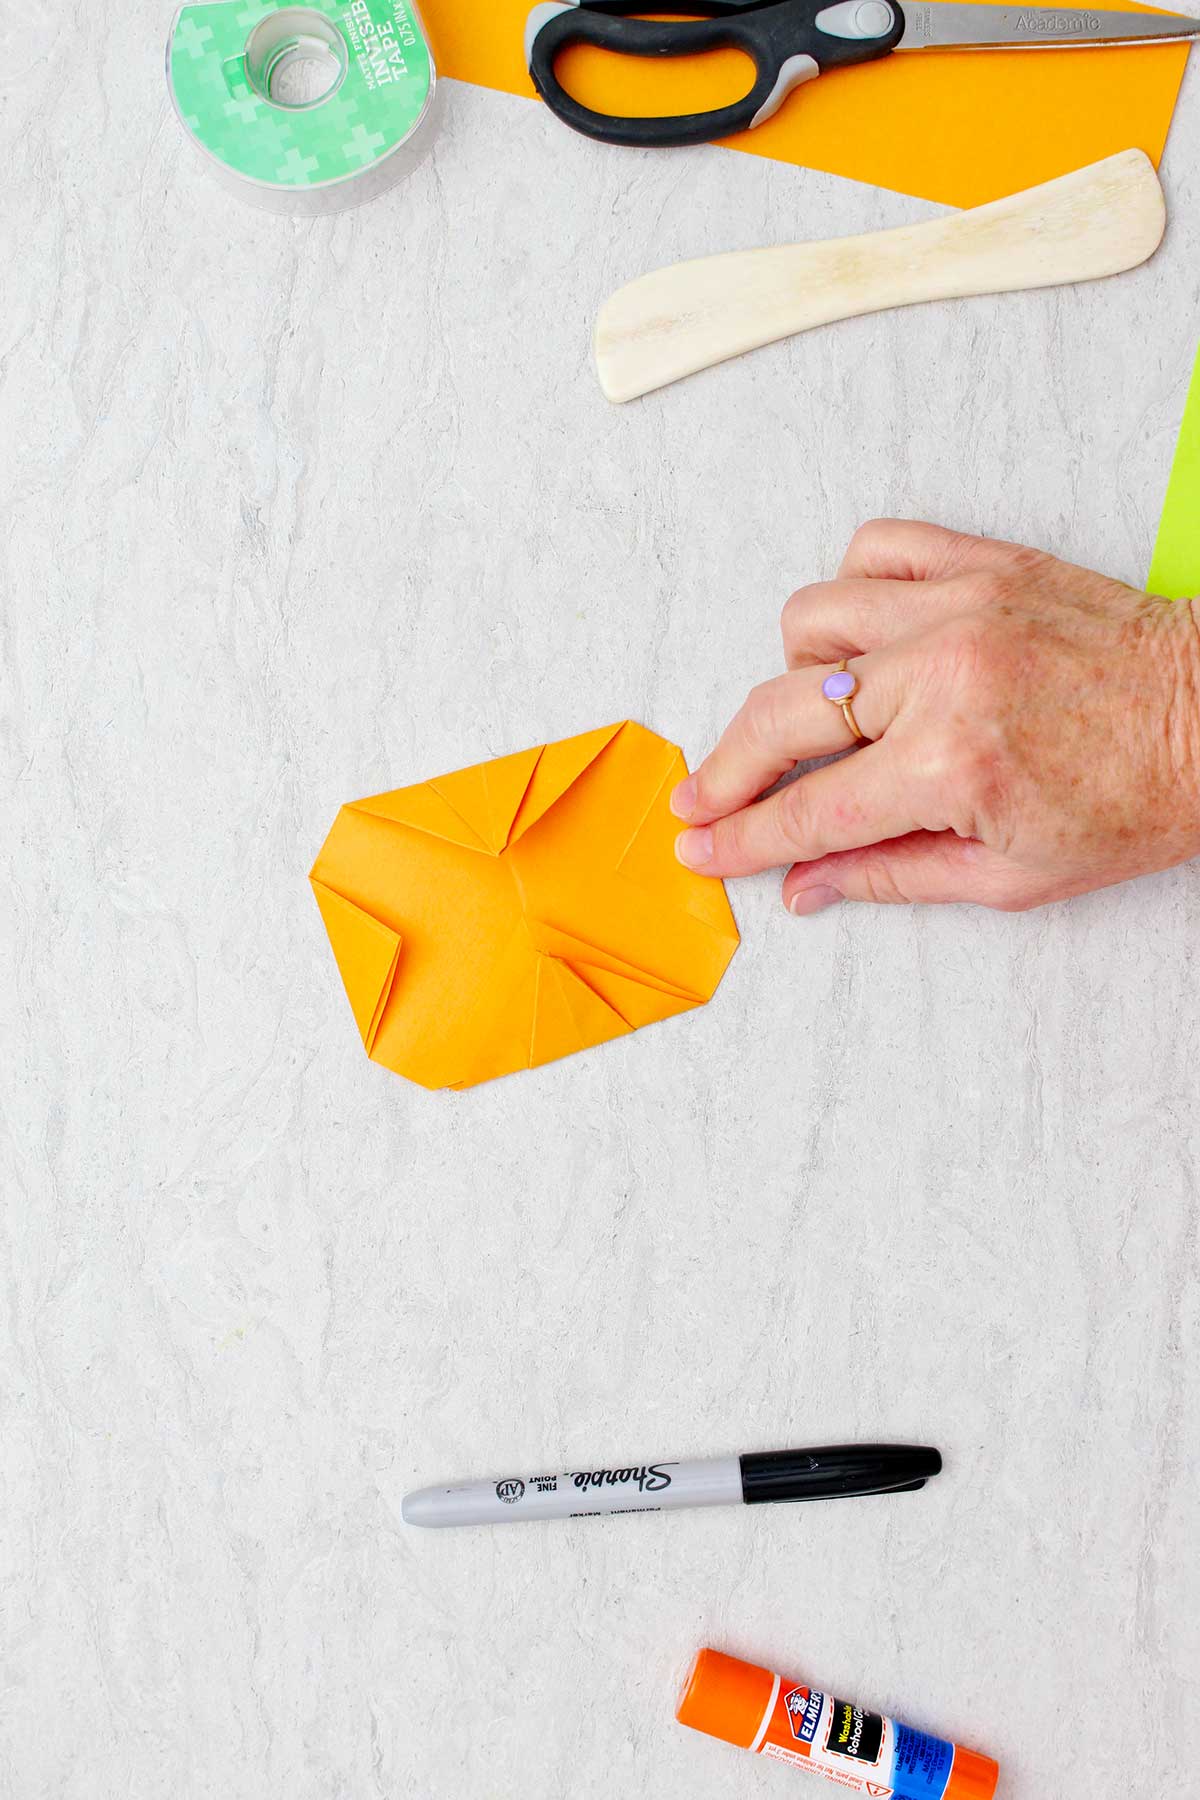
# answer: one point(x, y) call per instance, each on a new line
point(788, 41)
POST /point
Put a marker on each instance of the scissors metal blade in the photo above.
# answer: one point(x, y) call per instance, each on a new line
point(947, 25)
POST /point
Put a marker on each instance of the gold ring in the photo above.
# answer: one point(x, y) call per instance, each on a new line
point(840, 688)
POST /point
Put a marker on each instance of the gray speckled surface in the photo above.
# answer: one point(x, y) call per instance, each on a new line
point(301, 511)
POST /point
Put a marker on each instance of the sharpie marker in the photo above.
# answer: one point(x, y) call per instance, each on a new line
point(773, 1475)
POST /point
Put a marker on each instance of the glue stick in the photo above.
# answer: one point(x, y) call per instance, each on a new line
point(860, 1752)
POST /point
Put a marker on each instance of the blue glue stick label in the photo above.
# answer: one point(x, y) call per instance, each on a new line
point(861, 1751)
point(920, 1764)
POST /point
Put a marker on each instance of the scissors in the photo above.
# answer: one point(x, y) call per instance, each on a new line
point(793, 41)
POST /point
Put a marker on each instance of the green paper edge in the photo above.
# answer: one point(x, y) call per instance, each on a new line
point(1175, 567)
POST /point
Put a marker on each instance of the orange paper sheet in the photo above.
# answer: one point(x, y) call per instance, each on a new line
point(508, 914)
point(957, 127)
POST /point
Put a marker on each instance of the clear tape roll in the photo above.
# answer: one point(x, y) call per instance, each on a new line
point(304, 109)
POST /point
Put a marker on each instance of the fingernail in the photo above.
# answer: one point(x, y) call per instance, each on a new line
point(683, 799)
point(812, 900)
point(694, 848)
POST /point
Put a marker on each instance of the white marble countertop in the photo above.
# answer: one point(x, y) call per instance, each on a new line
point(299, 511)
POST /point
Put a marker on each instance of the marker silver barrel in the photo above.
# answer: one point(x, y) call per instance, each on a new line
point(634, 1487)
point(758, 1477)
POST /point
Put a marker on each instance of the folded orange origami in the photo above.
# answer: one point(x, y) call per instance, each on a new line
point(508, 914)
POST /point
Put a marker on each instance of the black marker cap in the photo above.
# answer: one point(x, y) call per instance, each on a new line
point(837, 1469)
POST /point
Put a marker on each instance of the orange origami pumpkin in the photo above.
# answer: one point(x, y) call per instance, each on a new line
point(507, 914)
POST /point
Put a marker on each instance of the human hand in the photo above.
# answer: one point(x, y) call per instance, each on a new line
point(1038, 733)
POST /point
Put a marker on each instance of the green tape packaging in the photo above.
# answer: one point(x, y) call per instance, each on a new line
point(303, 109)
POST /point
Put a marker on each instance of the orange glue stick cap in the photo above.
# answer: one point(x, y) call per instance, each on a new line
point(725, 1697)
point(973, 1777)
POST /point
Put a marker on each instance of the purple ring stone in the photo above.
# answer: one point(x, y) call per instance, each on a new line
point(839, 686)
